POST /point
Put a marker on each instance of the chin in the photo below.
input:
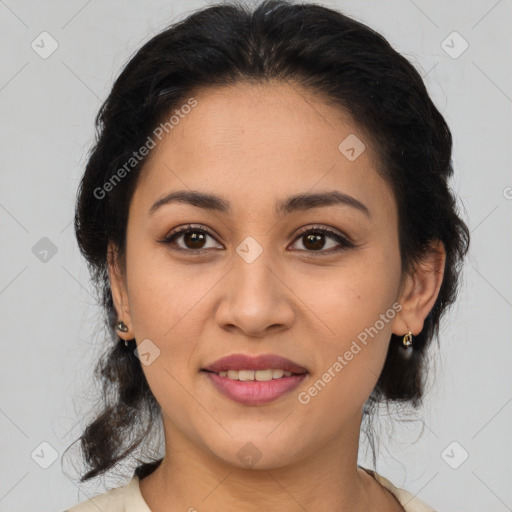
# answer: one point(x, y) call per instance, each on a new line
point(257, 452)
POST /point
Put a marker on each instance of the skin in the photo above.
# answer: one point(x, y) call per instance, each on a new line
point(255, 145)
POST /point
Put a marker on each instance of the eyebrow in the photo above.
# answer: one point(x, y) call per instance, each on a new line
point(298, 202)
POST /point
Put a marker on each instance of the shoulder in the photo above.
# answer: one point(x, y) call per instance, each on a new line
point(410, 502)
point(129, 499)
point(121, 499)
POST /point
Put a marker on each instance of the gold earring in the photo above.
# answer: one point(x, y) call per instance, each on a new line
point(407, 341)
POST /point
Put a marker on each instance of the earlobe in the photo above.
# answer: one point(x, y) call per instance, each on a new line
point(118, 288)
point(420, 291)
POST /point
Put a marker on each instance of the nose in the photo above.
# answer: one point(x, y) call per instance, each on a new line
point(256, 298)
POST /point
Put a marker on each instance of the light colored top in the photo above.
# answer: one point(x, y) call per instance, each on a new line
point(129, 499)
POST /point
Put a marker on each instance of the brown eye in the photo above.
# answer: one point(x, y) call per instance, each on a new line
point(320, 240)
point(314, 240)
point(189, 239)
point(194, 239)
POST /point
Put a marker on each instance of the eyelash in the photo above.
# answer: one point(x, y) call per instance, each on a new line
point(343, 241)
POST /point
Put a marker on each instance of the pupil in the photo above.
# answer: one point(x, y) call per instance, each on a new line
point(315, 240)
point(195, 239)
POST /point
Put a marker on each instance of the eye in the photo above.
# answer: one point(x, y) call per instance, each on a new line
point(314, 240)
point(194, 238)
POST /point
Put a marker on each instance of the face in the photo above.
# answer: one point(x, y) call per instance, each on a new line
point(251, 278)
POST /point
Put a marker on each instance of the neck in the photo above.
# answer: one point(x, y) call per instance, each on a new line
point(191, 478)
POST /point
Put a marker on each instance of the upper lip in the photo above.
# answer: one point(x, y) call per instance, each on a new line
point(261, 362)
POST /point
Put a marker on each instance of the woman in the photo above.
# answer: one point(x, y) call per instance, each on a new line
point(267, 215)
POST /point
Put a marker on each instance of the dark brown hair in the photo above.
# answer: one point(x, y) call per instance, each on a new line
point(344, 62)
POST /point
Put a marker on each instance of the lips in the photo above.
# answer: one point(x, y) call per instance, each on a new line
point(255, 363)
point(255, 380)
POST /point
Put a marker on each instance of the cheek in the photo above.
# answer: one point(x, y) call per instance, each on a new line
point(353, 297)
point(163, 296)
point(166, 308)
point(357, 306)
point(170, 305)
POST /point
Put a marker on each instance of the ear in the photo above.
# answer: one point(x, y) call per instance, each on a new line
point(118, 286)
point(419, 291)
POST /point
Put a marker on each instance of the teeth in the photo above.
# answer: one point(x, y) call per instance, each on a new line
point(277, 374)
point(258, 375)
point(246, 374)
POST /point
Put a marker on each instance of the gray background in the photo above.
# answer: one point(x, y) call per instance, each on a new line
point(50, 330)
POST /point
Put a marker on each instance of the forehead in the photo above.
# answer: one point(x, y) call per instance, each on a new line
point(275, 117)
point(266, 141)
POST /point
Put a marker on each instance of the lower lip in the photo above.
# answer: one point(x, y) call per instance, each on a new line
point(255, 392)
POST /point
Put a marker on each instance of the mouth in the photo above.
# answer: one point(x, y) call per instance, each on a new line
point(264, 367)
point(255, 375)
point(255, 380)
